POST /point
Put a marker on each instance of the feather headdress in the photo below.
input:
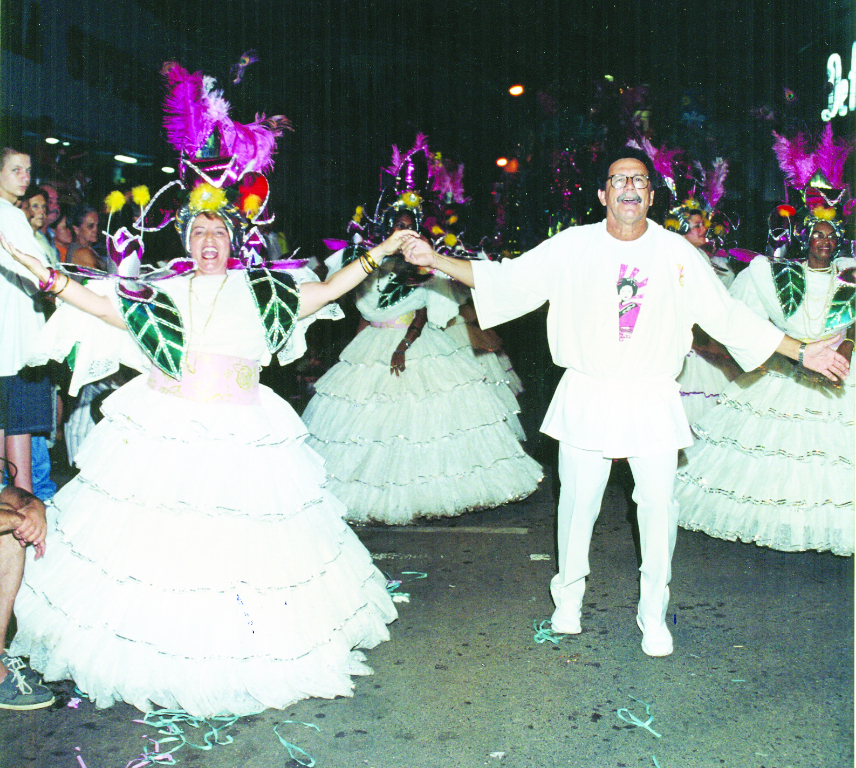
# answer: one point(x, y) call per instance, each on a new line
point(713, 187)
point(799, 164)
point(663, 159)
point(446, 184)
point(198, 125)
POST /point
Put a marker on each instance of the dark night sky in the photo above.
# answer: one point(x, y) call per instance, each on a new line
point(357, 77)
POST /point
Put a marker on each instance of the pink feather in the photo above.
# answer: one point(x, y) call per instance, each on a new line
point(185, 117)
point(796, 163)
point(392, 170)
point(714, 187)
point(662, 158)
point(831, 156)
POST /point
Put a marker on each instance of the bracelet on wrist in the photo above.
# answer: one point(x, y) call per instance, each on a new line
point(372, 263)
point(45, 286)
point(802, 353)
point(65, 285)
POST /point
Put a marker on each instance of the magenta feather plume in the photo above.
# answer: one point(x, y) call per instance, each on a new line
point(193, 108)
point(714, 186)
point(421, 144)
point(799, 165)
point(252, 145)
point(831, 157)
point(393, 167)
point(449, 185)
point(663, 159)
point(795, 161)
point(185, 112)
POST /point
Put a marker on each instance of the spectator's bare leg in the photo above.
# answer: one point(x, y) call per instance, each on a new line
point(18, 453)
point(11, 572)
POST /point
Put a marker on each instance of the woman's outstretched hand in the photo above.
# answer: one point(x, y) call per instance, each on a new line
point(30, 262)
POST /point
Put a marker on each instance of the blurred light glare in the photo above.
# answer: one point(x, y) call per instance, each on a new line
point(502, 161)
point(608, 77)
point(516, 90)
point(125, 159)
point(167, 169)
point(512, 166)
point(51, 140)
point(66, 143)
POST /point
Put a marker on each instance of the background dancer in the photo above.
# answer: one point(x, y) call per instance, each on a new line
point(774, 460)
point(406, 420)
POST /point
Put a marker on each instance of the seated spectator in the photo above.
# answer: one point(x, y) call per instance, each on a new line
point(22, 522)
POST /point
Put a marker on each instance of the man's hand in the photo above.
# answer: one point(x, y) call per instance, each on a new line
point(820, 357)
point(419, 252)
point(33, 528)
point(10, 519)
point(393, 243)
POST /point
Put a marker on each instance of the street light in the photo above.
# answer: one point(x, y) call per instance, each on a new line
point(516, 90)
point(502, 161)
point(125, 159)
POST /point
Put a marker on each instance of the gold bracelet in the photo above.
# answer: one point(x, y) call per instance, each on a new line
point(370, 260)
point(365, 265)
point(67, 281)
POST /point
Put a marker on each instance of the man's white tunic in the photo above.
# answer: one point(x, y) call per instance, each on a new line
point(620, 322)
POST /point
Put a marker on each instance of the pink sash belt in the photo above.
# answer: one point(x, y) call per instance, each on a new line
point(210, 378)
point(403, 321)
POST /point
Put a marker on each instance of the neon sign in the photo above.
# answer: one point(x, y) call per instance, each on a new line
point(839, 104)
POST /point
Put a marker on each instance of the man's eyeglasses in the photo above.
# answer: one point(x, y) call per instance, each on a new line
point(619, 181)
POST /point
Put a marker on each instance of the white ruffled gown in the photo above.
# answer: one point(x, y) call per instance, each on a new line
point(436, 441)
point(773, 463)
point(197, 561)
point(486, 348)
point(703, 377)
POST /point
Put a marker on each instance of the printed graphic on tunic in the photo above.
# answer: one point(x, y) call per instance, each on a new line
point(630, 300)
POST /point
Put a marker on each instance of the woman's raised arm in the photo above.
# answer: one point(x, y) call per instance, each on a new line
point(61, 285)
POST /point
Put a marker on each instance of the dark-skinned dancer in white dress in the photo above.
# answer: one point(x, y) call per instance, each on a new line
point(773, 463)
point(434, 439)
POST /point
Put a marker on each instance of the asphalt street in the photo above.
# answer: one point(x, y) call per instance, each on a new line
point(761, 676)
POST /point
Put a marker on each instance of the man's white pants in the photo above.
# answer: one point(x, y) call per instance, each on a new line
point(584, 475)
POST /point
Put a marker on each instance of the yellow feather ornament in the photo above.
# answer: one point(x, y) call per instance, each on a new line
point(140, 195)
point(672, 224)
point(823, 213)
point(114, 201)
point(207, 198)
point(450, 240)
point(252, 203)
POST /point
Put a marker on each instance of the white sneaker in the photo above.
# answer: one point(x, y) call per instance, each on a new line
point(656, 639)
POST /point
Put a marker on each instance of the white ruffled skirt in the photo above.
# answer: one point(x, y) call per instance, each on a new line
point(486, 348)
point(702, 381)
point(438, 440)
point(774, 463)
point(197, 562)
